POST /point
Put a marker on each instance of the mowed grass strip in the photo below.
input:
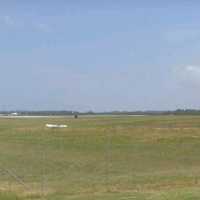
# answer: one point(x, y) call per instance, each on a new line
point(123, 157)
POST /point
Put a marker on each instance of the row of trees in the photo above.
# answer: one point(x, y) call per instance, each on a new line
point(73, 113)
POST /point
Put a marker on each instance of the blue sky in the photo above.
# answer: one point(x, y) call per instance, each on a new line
point(99, 55)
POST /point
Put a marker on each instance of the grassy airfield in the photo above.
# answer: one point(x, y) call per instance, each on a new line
point(100, 158)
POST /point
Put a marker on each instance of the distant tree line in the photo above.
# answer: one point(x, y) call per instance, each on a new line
point(73, 113)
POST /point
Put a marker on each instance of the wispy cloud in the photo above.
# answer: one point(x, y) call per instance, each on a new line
point(8, 20)
point(25, 23)
point(42, 27)
point(181, 35)
point(189, 75)
point(193, 70)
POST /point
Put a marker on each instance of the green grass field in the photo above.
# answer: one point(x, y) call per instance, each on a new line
point(101, 158)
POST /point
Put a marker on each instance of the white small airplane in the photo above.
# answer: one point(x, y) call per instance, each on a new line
point(56, 126)
point(14, 114)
